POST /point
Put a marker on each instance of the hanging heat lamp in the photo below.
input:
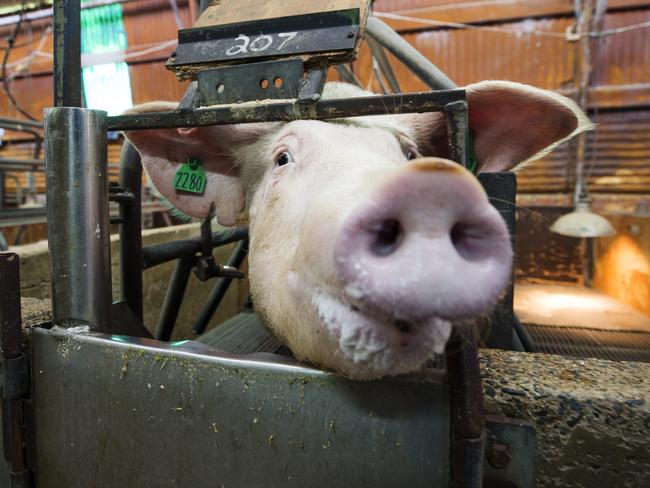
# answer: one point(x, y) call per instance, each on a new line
point(582, 222)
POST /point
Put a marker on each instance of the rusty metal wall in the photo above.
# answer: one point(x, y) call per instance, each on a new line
point(622, 77)
point(538, 53)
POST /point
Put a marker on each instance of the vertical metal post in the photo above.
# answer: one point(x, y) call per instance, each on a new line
point(466, 406)
point(77, 213)
point(220, 288)
point(2, 189)
point(174, 297)
point(131, 259)
point(464, 375)
point(15, 374)
point(502, 191)
point(458, 131)
point(67, 53)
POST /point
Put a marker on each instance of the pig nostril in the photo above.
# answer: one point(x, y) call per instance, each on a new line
point(402, 325)
point(470, 241)
point(387, 237)
point(459, 238)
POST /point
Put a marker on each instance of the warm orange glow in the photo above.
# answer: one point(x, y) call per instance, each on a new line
point(624, 272)
point(550, 304)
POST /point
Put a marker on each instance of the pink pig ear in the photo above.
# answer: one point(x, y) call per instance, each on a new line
point(513, 124)
point(164, 151)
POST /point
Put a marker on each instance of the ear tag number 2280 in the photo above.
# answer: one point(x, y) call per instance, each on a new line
point(190, 177)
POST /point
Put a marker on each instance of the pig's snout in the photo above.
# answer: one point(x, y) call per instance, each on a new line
point(426, 242)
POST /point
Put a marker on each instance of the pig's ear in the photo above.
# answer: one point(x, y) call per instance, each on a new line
point(164, 151)
point(513, 124)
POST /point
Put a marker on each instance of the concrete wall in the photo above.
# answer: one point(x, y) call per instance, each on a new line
point(35, 280)
point(592, 416)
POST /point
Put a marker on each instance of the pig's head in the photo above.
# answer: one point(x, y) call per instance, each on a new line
point(367, 244)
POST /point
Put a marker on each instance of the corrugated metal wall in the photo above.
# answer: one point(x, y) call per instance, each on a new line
point(618, 151)
point(537, 52)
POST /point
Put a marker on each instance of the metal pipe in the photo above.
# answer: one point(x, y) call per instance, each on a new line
point(24, 164)
point(457, 131)
point(19, 189)
point(347, 75)
point(131, 256)
point(289, 111)
point(466, 406)
point(407, 54)
point(220, 288)
point(174, 298)
point(15, 367)
point(67, 53)
point(20, 122)
point(19, 127)
point(77, 209)
point(162, 253)
point(379, 54)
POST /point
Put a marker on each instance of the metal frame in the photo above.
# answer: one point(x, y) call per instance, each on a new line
point(76, 149)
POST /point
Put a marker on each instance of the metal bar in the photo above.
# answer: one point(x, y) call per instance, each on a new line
point(407, 54)
point(15, 368)
point(288, 111)
point(131, 255)
point(501, 189)
point(162, 253)
point(466, 407)
point(10, 322)
point(174, 298)
point(20, 122)
point(15, 164)
point(386, 68)
point(347, 75)
point(19, 189)
point(458, 131)
point(67, 53)
point(125, 197)
point(77, 196)
point(38, 138)
point(220, 288)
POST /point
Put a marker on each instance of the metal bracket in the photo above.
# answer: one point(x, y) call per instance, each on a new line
point(205, 267)
point(311, 88)
point(510, 453)
point(255, 81)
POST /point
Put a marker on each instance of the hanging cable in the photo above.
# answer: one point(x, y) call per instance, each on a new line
point(5, 80)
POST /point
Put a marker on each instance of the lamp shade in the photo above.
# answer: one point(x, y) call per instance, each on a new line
point(582, 222)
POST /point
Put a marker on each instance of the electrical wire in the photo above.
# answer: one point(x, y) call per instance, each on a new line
point(5, 79)
point(502, 30)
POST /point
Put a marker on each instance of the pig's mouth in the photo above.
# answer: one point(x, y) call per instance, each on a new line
point(377, 345)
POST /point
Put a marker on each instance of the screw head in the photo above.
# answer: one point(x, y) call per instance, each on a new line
point(499, 456)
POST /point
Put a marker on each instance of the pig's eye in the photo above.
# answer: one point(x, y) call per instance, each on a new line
point(283, 158)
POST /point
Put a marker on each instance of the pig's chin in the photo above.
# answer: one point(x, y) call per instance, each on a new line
point(372, 347)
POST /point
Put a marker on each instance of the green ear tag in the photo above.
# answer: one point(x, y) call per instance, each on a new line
point(472, 160)
point(190, 177)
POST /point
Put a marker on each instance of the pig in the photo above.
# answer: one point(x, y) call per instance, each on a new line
point(367, 244)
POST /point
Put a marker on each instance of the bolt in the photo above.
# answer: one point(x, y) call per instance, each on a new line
point(499, 456)
point(173, 54)
point(350, 35)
